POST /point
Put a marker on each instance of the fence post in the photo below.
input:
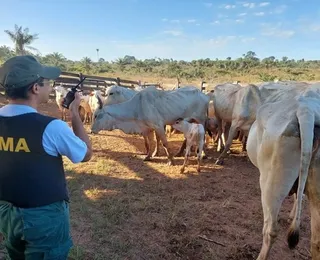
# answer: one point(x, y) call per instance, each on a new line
point(80, 78)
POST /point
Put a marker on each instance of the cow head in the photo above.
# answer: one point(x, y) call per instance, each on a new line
point(102, 121)
point(179, 124)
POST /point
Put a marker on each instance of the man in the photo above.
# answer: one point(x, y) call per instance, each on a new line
point(34, 202)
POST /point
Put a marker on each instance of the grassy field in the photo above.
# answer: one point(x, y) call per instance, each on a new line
point(254, 75)
point(125, 209)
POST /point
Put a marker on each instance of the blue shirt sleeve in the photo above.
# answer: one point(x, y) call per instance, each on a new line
point(58, 138)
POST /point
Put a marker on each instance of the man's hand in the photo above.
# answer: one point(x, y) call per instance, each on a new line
point(74, 106)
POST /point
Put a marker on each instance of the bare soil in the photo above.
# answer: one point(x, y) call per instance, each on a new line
point(124, 208)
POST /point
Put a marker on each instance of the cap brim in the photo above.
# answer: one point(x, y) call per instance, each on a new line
point(49, 72)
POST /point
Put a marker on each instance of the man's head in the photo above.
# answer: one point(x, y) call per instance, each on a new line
point(23, 77)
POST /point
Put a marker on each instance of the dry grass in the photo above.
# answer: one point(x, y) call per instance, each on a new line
point(215, 77)
point(124, 208)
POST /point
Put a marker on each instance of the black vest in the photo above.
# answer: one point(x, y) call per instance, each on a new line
point(29, 177)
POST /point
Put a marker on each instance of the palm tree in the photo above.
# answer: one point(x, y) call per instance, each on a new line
point(86, 64)
point(97, 53)
point(55, 59)
point(22, 39)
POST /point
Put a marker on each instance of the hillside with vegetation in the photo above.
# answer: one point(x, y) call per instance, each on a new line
point(247, 68)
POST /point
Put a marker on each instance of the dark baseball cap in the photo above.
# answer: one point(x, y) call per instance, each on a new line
point(20, 71)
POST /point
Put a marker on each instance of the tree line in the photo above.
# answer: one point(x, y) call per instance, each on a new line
point(248, 66)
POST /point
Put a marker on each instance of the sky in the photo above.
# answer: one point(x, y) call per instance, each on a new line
point(178, 29)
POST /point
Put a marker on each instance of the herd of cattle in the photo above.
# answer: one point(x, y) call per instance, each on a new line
point(278, 122)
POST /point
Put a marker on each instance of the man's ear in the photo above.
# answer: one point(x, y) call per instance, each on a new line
point(35, 88)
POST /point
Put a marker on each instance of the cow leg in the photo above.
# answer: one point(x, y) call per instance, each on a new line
point(313, 194)
point(199, 158)
point(85, 118)
point(232, 132)
point(203, 152)
point(220, 135)
point(240, 136)
point(186, 158)
point(168, 130)
point(147, 145)
point(244, 143)
point(162, 135)
point(156, 150)
point(182, 147)
point(276, 182)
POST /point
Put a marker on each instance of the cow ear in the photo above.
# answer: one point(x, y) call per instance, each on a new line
point(179, 120)
point(192, 120)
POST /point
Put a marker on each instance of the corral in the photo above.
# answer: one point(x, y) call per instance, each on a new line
point(124, 208)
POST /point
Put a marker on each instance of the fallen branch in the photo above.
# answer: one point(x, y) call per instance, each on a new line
point(210, 240)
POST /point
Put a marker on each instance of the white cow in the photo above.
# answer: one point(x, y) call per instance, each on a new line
point(95, 100)
point(152, 109)
point(283, 144)
point(117, 94)
point(236, 105)
point(194, 133)
point(61, 93)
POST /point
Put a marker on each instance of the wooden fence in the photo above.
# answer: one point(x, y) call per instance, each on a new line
point(68, 79)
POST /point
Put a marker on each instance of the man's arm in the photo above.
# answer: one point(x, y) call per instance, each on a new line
point(77, 126)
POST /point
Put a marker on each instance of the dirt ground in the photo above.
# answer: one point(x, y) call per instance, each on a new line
point(124, 208)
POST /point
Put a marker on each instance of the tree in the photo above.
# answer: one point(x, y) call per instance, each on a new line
point(55, 59)
point(5, 53)
point(22, 39)
point(86, 64)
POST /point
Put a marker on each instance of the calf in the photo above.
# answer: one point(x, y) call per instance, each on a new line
point(95, 100)
point(194, 134)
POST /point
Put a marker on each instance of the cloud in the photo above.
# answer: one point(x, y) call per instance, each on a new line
point(215, 22)
point(191, 20)
point(164, 19)
point(276, 31)
point(221, 40)
point(315, 28)
point(208, 5)
point(175, 21)
point(259, 14)
point(173, 32)
point(249, 5)
point(247, 39)
point(222, 16)
point(279, 9)
point(239, 21)
point(242, 14)
point(229, 6)
point(264, 4)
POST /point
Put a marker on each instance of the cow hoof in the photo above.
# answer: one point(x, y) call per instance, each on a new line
point(147, 159)
point(219, 162)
